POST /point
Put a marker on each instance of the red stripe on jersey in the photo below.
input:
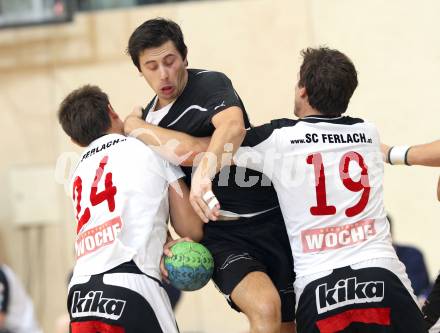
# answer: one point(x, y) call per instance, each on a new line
point(336, 323)
point(94, 327)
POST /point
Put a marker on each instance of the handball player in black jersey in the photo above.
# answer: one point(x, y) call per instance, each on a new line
point(248, 239)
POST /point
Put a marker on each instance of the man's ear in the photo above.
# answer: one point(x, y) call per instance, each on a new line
point(111, 112)
point(302, 92)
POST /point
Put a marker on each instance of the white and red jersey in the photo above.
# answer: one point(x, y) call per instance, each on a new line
point(328, 174)
point(120, 199)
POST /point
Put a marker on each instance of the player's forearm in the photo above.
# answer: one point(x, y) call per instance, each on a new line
point(184, 220)
point(176, 147)
point(227, 138)
point(425, 154)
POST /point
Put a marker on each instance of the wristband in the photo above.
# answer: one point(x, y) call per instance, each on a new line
point(398, 155)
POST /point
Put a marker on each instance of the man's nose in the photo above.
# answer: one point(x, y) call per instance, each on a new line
point(163, 73)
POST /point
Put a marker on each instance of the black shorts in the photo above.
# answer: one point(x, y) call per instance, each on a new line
point(126, 302)
point(366, 300)
point(247, 245)
point(431, 308)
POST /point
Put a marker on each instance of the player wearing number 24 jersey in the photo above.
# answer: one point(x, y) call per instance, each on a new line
point(123, 194)
point(327, 170)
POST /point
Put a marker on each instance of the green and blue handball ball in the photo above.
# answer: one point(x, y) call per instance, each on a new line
point(190, 266)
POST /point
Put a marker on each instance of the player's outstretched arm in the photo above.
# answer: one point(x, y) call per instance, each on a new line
point(427, 154)
point(229, 132)
point(184, 220)
point(177, 147)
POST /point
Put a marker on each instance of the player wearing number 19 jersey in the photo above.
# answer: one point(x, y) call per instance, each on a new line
point(123, 194)
point(327, 170)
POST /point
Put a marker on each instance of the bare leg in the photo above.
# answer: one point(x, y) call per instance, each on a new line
point(258, 299)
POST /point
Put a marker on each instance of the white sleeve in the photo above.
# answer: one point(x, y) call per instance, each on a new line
point(259, 148)
point(154, 162)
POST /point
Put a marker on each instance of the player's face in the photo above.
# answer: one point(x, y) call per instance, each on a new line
point(165, 71)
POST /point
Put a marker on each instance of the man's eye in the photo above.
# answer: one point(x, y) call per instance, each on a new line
point(152, 67)
point(169, 61)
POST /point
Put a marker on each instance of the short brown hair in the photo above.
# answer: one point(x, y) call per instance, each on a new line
point(330, 79)
point(83, 114)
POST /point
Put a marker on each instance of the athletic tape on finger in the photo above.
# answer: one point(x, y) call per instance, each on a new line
point(208, 195)
point(212, 203)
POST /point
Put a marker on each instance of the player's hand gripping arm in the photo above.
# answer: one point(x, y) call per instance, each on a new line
point(427, 154)
point(177, 147)
point(229, 133)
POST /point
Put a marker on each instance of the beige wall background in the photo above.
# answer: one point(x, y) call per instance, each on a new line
point(394, 44)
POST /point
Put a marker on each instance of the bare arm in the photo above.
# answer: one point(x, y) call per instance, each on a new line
point(427, 154)
point(184, 220)
point(177, 147)
point(229, 132)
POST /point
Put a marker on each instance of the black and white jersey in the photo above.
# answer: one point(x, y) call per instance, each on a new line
point(328, 175)
point(207, 93)
point(16, 304)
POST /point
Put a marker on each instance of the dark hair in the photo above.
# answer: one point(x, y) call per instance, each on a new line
point(330, 79)
point(154, 33)
point(83, 114)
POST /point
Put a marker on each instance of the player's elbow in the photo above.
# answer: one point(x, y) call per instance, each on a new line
point(195, 232)
point(237, 131)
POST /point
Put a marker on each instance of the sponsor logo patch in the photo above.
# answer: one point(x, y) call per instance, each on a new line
point(95, 238)
point(93, 304)
point(331, 238)
point(346, 292)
